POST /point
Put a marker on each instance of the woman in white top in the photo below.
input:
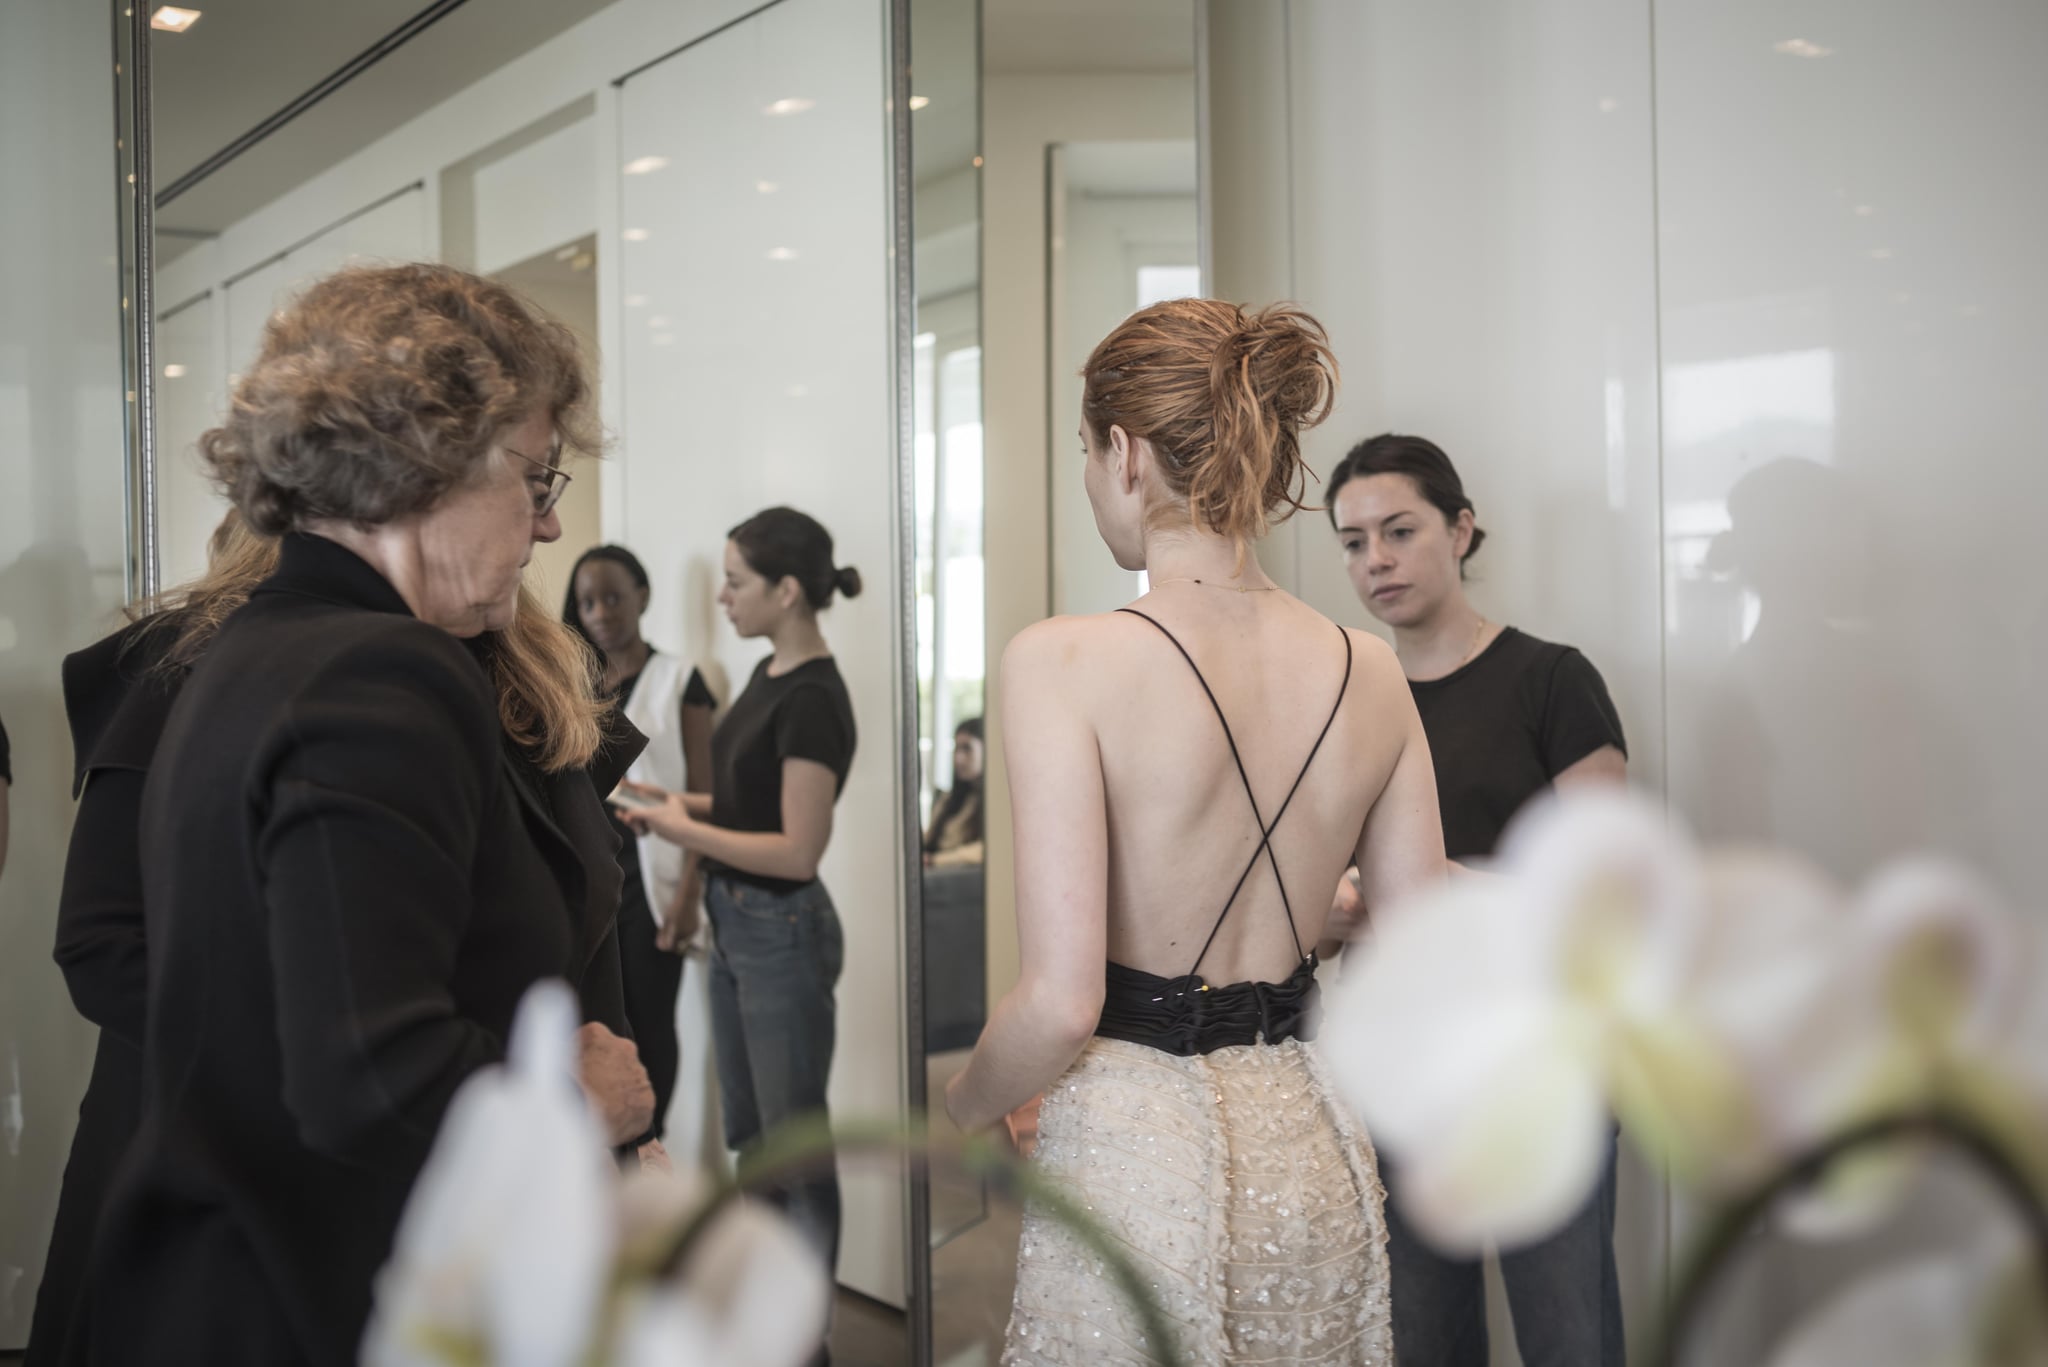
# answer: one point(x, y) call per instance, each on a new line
point(661, 902)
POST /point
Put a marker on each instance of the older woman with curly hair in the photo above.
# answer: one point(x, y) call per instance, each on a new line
point(349, 883)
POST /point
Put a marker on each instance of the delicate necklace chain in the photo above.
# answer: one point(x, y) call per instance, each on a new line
point(1478, 630)
point(1234, 588)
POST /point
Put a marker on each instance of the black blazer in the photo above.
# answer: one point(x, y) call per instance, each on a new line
point(348, 893)
point(116, 701)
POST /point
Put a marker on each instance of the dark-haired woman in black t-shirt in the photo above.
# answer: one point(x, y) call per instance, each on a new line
point(1508, 717)
point(779, 759)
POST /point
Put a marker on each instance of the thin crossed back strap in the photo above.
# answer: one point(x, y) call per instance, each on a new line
point(1266, 828)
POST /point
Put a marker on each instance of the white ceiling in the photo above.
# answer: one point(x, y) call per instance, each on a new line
point(246, 59)
point(1088, 35)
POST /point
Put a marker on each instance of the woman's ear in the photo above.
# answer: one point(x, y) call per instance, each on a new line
point(1461, 535)
point(1123, 459)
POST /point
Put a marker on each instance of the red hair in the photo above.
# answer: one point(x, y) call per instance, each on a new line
point(1223, 395)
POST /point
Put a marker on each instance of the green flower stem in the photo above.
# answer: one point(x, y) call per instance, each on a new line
point(1722, 1240)
point(812, 1143)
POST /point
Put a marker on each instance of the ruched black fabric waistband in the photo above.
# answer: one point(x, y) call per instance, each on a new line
point(1186, 1016)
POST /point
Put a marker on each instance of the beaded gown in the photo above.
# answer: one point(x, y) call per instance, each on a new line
point(1198, 1127)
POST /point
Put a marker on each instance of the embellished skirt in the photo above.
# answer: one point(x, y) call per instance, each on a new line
point(1240, 1188)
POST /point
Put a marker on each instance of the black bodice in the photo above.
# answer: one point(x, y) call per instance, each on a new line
point(1187, 1016)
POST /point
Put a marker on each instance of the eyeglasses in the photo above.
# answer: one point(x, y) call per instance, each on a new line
point(545, 499)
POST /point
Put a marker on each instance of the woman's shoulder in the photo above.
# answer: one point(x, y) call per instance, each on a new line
point(117, 696)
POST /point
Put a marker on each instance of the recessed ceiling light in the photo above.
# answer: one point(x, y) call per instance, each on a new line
point(640, 166)
point(919, 101)
point(583, 262)
point(1799, 47)
point(174, 371)
point(766, 187)
point(663, 339)
point(635, 234)
point(1609, 105)
point(658, 323)
point(171, 19)
point(791, 105)
point(782, 253)
point(566, 252)
point(1865, 210)
point(636, 301)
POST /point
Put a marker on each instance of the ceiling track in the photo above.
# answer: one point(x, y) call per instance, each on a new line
point(327, 85)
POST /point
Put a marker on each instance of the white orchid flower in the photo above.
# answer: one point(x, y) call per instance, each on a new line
point(750, 1292)
point(1933, 984)
point(506, 1244)
point(1488, 1031)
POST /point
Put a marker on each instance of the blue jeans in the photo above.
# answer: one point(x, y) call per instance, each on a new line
point(1562, 1290)
point(775, 959)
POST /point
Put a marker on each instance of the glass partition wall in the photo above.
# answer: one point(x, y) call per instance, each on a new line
point(70, 415)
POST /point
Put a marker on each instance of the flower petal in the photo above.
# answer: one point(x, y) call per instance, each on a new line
point(1610, 896)
point(758, 1287)
point(1518, 1163)
point(506, 1239)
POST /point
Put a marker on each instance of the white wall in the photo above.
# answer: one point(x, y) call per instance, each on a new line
point(62, 564)
point(755, 362)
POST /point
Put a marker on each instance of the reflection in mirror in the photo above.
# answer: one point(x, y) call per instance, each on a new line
point(296, 137)
point(1121, 232)
point(1087, 167)
point(951, 648)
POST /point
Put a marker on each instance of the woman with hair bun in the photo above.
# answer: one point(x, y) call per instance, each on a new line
point(779, 760)
point(1188, 776)
point(1508, 717)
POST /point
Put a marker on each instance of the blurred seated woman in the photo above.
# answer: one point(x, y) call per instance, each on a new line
point(350, 882)
point(955, 837)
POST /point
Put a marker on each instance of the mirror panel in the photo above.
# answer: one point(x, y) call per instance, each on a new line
point(1085, 188)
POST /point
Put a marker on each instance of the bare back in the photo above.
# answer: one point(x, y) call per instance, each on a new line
point(1328, 741)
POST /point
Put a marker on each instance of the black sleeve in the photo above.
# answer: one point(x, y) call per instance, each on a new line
point(373, 803)
point(697, 693)
point(603, 989)
point(808, 726)
point(6, 757)
point(100, 944)
point(1578, 716)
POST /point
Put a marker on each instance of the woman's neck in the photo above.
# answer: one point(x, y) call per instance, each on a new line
point(796, 641)
point(1203, 558)
point(1443, 642)
point(625, 663)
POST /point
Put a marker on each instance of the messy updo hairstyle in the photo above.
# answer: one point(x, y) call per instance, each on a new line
point(381, 388)
point(782, 543)
point(1223, 395)
point(1424, 464)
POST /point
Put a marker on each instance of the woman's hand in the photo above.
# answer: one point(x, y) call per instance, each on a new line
point(679, 926)
point(670, 818)
point(615, 1081)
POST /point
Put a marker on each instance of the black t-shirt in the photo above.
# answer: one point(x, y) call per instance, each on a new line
point(1503, 726)
point(804, 714)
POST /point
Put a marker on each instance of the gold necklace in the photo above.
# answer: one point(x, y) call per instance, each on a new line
point(1234, 588)
point(1478, 630)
